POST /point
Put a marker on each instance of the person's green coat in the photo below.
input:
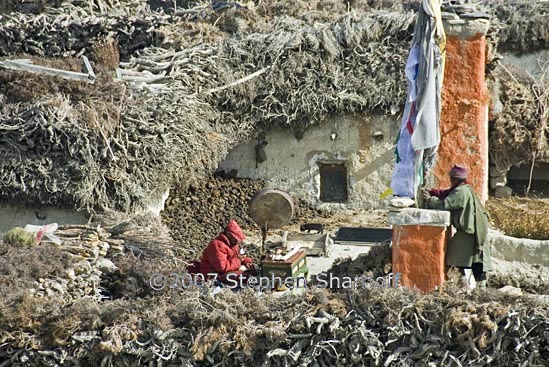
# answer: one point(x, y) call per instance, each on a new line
point(470, 219)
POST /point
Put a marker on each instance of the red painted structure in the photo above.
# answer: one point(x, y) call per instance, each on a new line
point(418, 254)
point(464, 116)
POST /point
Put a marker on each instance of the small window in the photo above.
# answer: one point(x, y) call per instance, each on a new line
point(333, 182)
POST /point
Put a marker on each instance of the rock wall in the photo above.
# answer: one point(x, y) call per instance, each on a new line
point(364, 144)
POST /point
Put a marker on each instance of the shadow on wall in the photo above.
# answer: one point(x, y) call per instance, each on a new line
point(312, 181)
point(375, 165)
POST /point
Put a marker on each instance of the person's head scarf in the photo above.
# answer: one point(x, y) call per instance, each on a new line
point(234, 230)
point(459, 172)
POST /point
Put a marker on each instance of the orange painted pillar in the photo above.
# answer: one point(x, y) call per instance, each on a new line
point(419, 247)
point(418, 254)
point(464, 115)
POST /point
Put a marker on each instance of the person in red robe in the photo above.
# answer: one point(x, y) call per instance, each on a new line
point(222, 255)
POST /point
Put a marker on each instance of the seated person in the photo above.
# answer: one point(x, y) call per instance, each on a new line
point(222, 255)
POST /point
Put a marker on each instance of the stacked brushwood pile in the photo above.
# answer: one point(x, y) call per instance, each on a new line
point(193, 327)
point(58, 286)
point(73, 269)
point(188, 90)
point(60, 6)
point(64, 35)
point(193, 82)
point(81, 260)
point(518, 26)
point(520, 101)
point(520, 129)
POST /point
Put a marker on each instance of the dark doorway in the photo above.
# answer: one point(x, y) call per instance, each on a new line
point(518, 178)
point(333, 182)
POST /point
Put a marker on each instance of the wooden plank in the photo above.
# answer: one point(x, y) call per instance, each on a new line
point(26, 65)
point(89, 70)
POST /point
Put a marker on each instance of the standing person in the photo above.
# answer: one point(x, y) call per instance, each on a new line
point(468, 248)
point(222, 255)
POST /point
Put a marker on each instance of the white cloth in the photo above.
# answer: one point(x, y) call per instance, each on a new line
point(411, 73)
point(424, 72)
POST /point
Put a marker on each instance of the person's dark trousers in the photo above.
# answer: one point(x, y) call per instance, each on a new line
point(478, 272)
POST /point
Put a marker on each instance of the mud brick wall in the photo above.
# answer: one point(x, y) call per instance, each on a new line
point(464, 118)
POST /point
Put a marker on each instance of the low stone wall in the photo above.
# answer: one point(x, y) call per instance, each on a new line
point(519, 249)
point(14, 215)
point(19, 216)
